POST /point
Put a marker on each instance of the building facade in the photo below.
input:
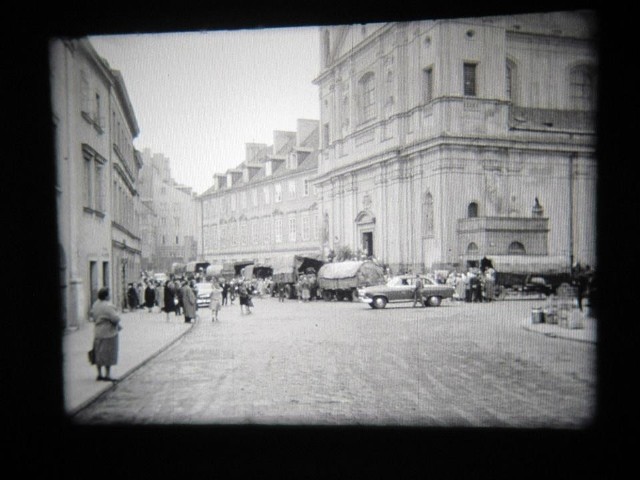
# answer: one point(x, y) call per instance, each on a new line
point(449, 140)
point(266, 207)
point(94, 126)
point(170, 216)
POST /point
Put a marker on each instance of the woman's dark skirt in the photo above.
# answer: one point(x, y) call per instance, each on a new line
point(106, 351)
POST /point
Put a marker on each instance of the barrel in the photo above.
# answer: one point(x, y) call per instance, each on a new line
point(537, 315)
point(550, 315)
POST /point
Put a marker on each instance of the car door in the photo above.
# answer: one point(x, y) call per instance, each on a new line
point(394, 289)
point(405, 292)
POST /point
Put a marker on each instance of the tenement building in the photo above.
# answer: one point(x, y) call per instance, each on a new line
point(266, 206)
point(96, 173)
point(170, 216)
point(449, 140)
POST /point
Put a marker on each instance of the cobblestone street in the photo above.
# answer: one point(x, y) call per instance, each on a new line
point(342, 363)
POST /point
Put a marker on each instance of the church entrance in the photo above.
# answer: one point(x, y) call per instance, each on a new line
point(367, 243)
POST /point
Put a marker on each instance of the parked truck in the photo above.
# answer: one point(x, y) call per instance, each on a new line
point(341, 280)
point(286, 270)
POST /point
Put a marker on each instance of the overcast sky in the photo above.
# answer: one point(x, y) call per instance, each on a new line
point(199, 97)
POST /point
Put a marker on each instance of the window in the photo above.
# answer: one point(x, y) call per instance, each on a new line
point(306, 187)
point(325, 135)
point(292, 229)
point(243, 200)
point(472, 210)
point(233, 202)
point(88, 182)
point(244, 232)
point(326, 47)
point(267, 200)
point(582, 87)
point(366, 89)
point(254, 232)
point(93, 196)
point(99, 181)
point(427, 219)
point(278, 230)
point(254, 197)
point(427, 82)
point(516, 248)
point(292, 188)
point(278, 193)
point(84, 92)
point(98, 113)
point(472, 248)
point(266, 231)
point(511, 81)
point(306, 228)
point(177, 240)
point(469, 77)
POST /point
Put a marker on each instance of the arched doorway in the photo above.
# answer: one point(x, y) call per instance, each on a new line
point(365, 226)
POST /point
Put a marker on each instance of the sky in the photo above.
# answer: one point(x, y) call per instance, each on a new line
point(199, 97)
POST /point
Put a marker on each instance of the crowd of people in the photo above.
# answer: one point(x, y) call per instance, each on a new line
point(474, 286)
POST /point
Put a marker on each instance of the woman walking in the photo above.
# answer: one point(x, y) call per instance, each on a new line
point(105, 338)
point(169, 304)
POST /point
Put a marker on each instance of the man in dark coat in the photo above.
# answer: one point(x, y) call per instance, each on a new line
point(169, 298)
point(149, 296)
point(132, 297)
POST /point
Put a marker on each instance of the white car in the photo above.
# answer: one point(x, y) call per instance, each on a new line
point(204, 294)
point(401, 288)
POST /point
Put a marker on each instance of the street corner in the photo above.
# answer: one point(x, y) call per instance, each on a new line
point(577, 325)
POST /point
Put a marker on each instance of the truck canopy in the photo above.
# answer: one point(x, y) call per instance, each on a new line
point(287, 267)
point(336, 270)
point(350, 274)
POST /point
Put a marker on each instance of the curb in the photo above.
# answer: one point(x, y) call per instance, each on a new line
point(558, 335)
point(128, 373)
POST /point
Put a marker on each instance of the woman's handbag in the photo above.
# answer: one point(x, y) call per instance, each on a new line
point(92, 356)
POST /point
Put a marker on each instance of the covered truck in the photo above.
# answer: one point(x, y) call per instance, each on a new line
point(286, 270)
point(341, 280)
point(543, 274)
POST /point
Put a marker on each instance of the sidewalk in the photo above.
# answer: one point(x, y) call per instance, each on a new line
point(143, 336)
point(588, 333)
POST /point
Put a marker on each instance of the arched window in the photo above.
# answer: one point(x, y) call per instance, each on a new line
point(472, 248)
point(583, 87)
point(516, 248)
point(427, 215)
point(366, 97)
point(472, 210)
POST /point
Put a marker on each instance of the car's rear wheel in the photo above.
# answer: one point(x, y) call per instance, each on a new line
point(327, 295)
point(434, 301)
point(379, 302)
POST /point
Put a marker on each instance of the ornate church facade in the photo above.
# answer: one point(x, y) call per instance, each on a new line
point(446, 141)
